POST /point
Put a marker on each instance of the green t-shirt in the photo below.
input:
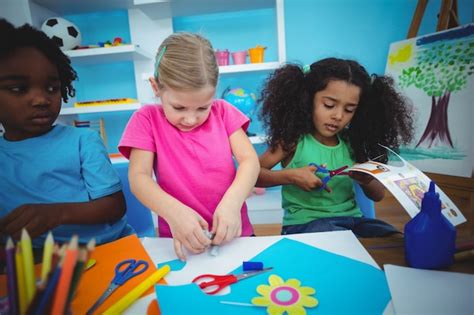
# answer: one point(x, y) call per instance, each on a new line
point(301, 206)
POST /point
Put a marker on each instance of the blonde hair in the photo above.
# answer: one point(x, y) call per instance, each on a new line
point(186, 61)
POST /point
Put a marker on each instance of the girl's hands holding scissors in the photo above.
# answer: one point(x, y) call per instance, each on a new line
point(306, 179)
point(187, 229)
point(227, 222)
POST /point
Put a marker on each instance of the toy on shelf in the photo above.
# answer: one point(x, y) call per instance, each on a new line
point(98, 125)
point(116, 42)
point(245, 101)
point(112, 101)
point(66, 35)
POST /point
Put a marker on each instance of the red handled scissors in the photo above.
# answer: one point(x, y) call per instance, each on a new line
point(332, 173)
point(217, 283)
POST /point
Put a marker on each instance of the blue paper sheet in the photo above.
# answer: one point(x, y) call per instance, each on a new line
point(343, 285)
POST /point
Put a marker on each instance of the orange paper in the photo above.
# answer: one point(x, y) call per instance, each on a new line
point(96, 280)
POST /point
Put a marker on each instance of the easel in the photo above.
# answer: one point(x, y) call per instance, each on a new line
point(447, 17)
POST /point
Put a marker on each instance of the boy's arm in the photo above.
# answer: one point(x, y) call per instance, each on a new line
point(40, 218)
point(186, 225)
point(302, 177)
point(227, 218)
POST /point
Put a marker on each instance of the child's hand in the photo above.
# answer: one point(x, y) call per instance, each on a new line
point(35, 218)
point(305, 178)
point(361, 178)
point(187, 229)
point(227, 222)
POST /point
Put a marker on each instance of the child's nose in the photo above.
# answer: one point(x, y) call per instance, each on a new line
point(190, 120)
point(337, 114)
point(40, 99)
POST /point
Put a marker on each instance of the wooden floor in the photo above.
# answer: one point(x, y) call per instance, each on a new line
point(390, 210)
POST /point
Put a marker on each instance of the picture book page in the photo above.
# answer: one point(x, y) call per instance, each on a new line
point(408, 184)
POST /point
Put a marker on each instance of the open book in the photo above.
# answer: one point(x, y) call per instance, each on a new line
point(408, 184)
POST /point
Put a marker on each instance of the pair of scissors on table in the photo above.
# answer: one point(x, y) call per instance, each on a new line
point(331, 173)
point(124, 271)
point(217, 283)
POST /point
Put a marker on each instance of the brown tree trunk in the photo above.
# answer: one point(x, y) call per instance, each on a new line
point(437, 126)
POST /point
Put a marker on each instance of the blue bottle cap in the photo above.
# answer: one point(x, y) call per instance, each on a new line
point(252, 265)
point(431, 201)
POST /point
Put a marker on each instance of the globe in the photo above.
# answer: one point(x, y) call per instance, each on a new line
point(242, 99)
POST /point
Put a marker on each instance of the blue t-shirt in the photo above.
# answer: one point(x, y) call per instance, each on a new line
point(66, 164)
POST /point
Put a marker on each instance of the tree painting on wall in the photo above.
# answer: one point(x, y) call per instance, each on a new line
point(436, 72)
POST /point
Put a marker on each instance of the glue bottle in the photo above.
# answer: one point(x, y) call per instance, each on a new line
point(430, 239)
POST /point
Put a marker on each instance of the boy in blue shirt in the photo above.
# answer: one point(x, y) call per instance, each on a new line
point(52, 177)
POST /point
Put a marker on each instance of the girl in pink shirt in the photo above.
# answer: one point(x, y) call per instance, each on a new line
point(189, 141)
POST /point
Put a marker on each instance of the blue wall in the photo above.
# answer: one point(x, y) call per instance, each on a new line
point(361, 30)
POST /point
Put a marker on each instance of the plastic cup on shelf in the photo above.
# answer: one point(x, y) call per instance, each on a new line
point(222, 57)
point(239, 57)
point(256, 54)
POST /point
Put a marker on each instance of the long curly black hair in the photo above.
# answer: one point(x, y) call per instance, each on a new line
point(383, 115)
point(13, 38)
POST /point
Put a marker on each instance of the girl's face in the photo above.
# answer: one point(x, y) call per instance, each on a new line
point(30, 94)
point(186, 110)
point(333, 109)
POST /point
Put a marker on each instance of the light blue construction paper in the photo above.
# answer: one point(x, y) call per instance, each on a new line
point(343, 285)
point(175, 264)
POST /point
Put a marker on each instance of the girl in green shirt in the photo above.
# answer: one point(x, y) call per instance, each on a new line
point(333, 114)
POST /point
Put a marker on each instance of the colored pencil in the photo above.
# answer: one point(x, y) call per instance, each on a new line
point(64, 283)
point(47, 256)
point(136, 292)
point(28, 266)
point(20, 276)
point(76, 276)
point(48, 294)
point(11, 277)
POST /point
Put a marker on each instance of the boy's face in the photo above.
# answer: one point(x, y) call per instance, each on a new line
point(30, 94)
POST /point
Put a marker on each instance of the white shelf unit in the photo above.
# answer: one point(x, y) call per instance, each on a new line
point(108, 54)
point(99, 109)
point(266, 208)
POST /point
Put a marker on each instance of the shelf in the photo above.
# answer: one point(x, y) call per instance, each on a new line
point(107, 54)
point(248, 67)
point(266, 208)
point(99, 109)
point(257, 139)
point(178, 7)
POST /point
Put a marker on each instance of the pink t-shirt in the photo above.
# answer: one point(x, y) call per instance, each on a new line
point(195, 167)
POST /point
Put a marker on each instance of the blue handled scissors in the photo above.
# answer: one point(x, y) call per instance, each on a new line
point(124, 271)
point(331, 173)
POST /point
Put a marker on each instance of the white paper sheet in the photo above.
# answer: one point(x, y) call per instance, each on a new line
point(419, 292)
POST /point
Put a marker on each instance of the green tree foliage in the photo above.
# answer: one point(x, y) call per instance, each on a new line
point(441, 67)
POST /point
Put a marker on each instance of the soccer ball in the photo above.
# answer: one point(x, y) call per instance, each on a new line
point(63, 32)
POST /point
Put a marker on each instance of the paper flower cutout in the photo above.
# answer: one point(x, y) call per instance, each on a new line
point(280, 296)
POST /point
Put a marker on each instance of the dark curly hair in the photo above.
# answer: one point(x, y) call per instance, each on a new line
point(383, 116)
point(13, 38)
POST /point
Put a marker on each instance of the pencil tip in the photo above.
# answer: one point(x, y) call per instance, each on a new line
point(10, 243)
point(24, 234)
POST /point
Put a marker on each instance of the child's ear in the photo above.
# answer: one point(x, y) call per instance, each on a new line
point(155, 86)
